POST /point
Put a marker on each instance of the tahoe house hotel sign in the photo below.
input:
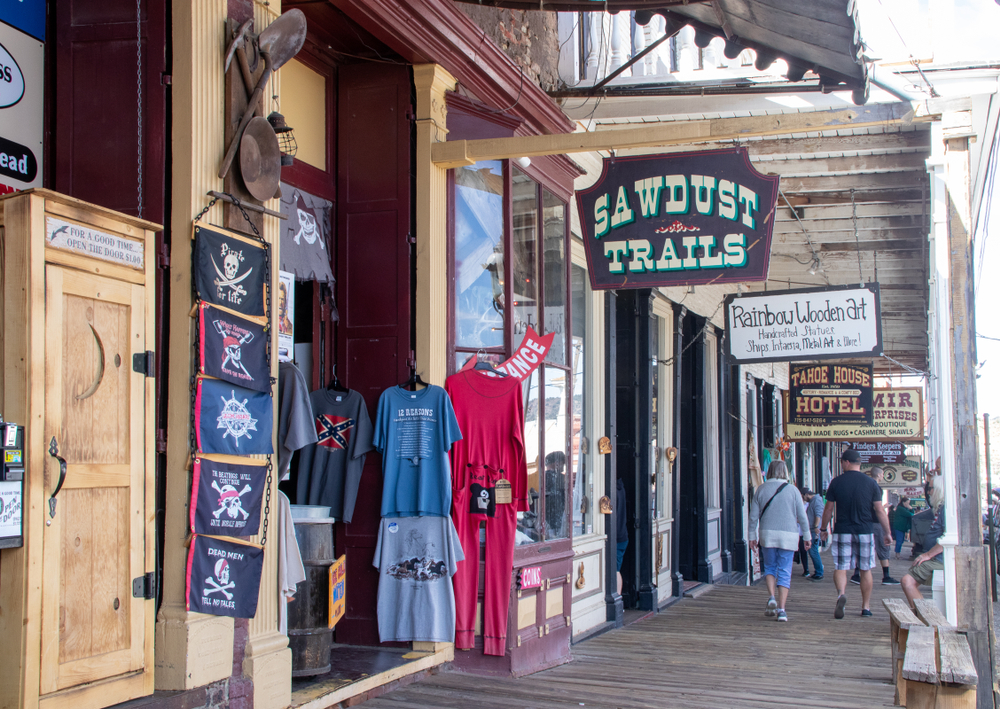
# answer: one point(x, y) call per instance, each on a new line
point(812, 323)
point(678, 219)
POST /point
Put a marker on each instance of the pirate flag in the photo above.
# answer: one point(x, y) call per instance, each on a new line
point(229, 271)
point(232, 420)
point(223, 577)
point(233, 349)
point(225, 499)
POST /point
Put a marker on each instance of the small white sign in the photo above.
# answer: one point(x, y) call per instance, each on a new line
point(801, 325)
point(286, 316)
point(10, 509)
point(91, 242)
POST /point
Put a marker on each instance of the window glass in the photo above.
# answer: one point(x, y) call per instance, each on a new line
point(528, 529)
point(554, 263)
point(556, 483)
point(583, 492)
point(524, 260)
point(479, 255)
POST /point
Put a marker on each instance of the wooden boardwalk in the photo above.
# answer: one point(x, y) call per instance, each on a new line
point(712, 652)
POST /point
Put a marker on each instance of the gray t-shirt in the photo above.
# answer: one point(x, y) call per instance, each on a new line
point(296, 429)
point(813, 510)
point(416, 558)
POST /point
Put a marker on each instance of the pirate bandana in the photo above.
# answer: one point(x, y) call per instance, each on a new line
point(229, 271)
point(225, 499)
point(233, 349)
point(233, 420)
point(223, 577)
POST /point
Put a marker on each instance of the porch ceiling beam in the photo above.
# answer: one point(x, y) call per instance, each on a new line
point(467, 152)
point(908, 140)
point(854, 165)
point(787, 225)
point(914, 195)
point(845, 183)
point(811, 215)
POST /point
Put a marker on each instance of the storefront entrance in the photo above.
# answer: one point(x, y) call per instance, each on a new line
point(693, 454)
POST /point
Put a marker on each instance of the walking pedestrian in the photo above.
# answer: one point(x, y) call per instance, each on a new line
point(901, 522)
point(802, 556)
point(778, 512)
point(924, 566)
point(857, 500)
point(814, 513)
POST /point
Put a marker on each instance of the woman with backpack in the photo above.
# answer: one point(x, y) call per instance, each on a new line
point(777, 512)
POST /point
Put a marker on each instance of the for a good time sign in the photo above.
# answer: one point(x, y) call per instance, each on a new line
point(678, 219)
point(812, 323)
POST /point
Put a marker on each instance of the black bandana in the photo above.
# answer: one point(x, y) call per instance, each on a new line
point(229, 271)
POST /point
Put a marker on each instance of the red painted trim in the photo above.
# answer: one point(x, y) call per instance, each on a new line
point(463, 106)
point(187, 573)
point(195, 479)
point(423, 31)
point(197, 415)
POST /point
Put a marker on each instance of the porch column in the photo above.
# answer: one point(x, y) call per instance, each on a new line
point(648, 599)
point(191, 649)
point(725, 455)
point(612, 599)
point(431, 82)
point(680, 312)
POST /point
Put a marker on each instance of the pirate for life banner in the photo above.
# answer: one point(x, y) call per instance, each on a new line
point(225, 499)
point(897, 415)
point(223, 577)
point(824, 394)
point(678, 219)
point(232, 420)
point(810, 323)
point(233, 349)
point(229, 270)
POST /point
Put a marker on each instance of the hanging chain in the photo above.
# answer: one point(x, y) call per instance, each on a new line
point(138, 97)
point(857, 242)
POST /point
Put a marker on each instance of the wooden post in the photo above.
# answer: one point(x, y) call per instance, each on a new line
point(612, 599)
point(680, 312)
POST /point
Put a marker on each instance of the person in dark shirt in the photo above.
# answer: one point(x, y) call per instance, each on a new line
point(924, 566)
point(857, 500)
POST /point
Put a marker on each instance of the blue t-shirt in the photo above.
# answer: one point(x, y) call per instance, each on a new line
point(414, 431)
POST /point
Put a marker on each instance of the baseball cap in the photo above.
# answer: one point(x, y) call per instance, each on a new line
point(851, 456)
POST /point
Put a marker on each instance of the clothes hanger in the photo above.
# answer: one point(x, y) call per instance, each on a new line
point(485, 365)
point(335, 384)
point(414, 380)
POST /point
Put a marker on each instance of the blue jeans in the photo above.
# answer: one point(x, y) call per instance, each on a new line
point(900, 535)
point(778, 563)
point(814, 555)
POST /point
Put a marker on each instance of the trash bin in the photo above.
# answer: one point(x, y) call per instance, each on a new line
point(309, 635)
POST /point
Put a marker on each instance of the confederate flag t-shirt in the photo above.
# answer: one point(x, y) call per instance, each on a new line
point(330, 469)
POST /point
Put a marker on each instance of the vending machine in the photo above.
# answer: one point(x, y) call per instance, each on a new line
point(11, 485)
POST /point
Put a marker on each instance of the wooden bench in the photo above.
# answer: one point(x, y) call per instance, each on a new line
point(901, 619)
point(929, 613)
point(938, 669)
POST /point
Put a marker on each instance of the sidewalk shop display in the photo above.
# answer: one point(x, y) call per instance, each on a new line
point(226, 498)
point(223, 577)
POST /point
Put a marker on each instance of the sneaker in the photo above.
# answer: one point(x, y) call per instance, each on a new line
point(781, 616)
point(805, 573)
point(771, 606)
point(814, 577)
point(838, 612)
point(865, 613)
point(889, 581)
point(856, 579)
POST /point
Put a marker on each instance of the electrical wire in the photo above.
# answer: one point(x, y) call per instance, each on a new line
point(913, 60)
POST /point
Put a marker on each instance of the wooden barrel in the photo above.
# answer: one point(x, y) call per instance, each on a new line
point(309, 634)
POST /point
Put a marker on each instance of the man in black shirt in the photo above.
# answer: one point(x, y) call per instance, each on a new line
point(857, 500)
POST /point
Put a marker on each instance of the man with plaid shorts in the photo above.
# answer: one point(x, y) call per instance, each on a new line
point(857, 500)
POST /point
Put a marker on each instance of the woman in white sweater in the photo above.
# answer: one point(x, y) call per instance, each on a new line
point(777, 509)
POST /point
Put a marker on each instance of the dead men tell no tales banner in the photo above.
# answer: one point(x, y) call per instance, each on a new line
point(678, 219)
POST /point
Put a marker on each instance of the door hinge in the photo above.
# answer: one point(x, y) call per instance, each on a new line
point(163, 256)
point(410, 115)
point(143, 363)
point(166, 79)
point(411, 239)
point(144, 586)
point(411, 361)
point(161, 440)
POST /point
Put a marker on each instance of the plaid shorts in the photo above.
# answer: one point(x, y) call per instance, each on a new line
point(853, 551)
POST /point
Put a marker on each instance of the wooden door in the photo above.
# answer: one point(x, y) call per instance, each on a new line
point(100, 537)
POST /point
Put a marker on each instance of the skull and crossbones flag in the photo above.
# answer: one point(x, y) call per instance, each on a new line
point(223, 577)
point(232, 420)
point(229, 271)
point(225, 499)
point(233, 349)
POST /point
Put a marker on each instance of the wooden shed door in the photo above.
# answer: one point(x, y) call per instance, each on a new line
point(95, 545)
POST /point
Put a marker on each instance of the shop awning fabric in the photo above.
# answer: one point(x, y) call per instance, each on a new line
point(819, 35)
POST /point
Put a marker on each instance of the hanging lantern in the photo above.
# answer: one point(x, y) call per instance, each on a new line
point(286, 138)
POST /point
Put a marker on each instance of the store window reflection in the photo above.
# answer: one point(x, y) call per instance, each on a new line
point(525, 254)
point(580, 445)
point(556, 438)
point(528, 529)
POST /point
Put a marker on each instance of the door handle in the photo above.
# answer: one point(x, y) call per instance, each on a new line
point(54, 452)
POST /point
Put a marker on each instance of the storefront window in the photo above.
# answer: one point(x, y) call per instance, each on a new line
point(580, 446)
point(479, 256)
point(554, 263)
point(528, 529)
point(556, 444)
point(525, 254)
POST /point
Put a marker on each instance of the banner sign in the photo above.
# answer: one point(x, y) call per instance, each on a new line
point(897, 415)
point(229, 271)
point(232, 420)
point(225, 499)
point(338, 590)
point(678, 219)
point(83, 240)
point(907, 474)
point(528, 355)
point(223, 577)
point(812, 323)
point(233, 349)
point(826, 394)
point(22, 94)
point(880, 453)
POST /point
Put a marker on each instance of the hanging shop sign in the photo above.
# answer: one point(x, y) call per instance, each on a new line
point(908, 473)
point(22, 93)
point(678, 219)
point(812, 323)
point(80, 239)
point(223, 577)
point(225, 499)
point(229, 270)
point(881, 452)
point(828, 394)
point(233, 349)
point(897, 415)
point(526, 358)
point(232, 420)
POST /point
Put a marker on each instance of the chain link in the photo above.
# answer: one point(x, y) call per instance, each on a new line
point(138, 94)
